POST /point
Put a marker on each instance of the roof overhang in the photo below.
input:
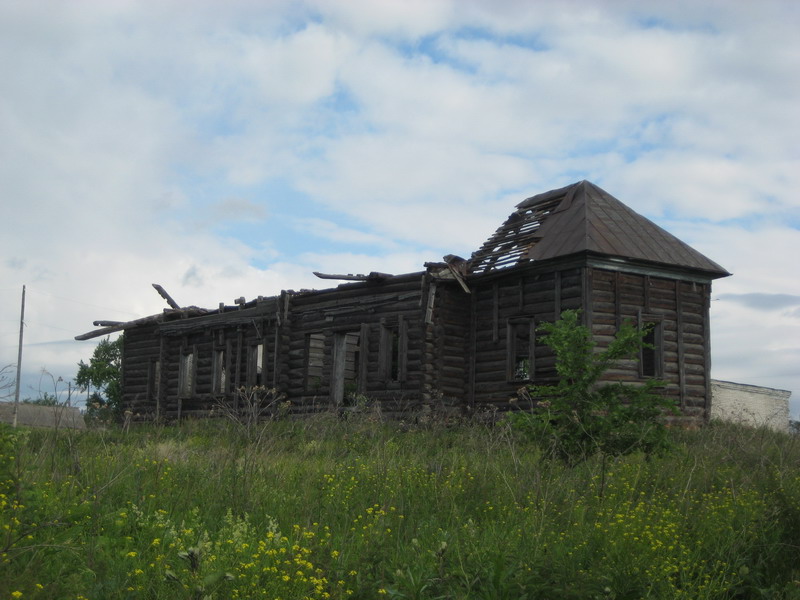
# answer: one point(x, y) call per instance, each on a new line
point(599, 261)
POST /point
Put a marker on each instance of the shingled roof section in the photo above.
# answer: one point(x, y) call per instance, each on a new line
point(582, 218)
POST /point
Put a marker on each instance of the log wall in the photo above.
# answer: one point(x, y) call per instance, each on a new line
point(681, 308)
point(607, 299)
point(412, 340)
point(532, 297)
point(447, 348)
point(140, 350)
point(153, 356)
point(375, 314)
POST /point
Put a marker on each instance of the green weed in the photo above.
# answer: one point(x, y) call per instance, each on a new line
point(324, 508)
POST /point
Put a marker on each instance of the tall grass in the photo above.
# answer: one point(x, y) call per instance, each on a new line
point(324, 508)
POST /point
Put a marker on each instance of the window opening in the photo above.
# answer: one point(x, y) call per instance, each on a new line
point(650, 356)
point(352, 361)
point(186, 375)
point(520, 351)
point(220, 383)
point(346, 373)
point(393, 351)
point(256, 376)
point(315, 354)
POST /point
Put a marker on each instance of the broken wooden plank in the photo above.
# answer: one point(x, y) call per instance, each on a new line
point(372, 276)
point(163, 293)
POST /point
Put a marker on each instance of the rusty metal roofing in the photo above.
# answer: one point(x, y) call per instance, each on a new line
point(583, 218)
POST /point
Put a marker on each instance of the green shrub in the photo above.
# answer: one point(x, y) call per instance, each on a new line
point(579, 416)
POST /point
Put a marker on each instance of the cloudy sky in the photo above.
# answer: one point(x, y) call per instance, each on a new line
point(229, 149)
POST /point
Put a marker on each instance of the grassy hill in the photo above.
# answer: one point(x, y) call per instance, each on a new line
point(324, 508)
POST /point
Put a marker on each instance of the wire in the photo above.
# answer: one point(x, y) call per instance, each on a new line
point(40, 324)
point(53, 342)
point(36, 292)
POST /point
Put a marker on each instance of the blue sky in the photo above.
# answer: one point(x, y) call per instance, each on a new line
point(230, 149)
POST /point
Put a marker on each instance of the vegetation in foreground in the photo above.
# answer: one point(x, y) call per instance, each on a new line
point(325, 508)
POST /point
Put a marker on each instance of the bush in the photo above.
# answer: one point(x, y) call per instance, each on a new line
point(579, 417)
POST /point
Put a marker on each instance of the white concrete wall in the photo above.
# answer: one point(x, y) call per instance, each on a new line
point(751, 404)
point(34, 415)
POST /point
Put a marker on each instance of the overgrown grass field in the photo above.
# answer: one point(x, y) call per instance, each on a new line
point(325, 508)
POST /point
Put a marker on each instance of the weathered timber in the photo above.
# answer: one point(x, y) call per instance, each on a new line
point(163, 293)
point(373, 276)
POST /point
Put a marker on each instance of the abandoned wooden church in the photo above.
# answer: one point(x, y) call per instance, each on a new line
point(462, 332)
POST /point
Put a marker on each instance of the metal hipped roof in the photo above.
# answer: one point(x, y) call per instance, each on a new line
point(583, 218)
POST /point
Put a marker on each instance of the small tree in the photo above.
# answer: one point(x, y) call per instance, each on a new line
point(103, 377)
point(579, 416)
point(252, 406)
point(7, 381)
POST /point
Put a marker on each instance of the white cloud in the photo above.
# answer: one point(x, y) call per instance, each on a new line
point(756, 347)
point(234, 210)
point(397, 19)
point(299, 69)
point(311, 227)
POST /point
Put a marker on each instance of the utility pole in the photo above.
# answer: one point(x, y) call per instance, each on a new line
point(19, 355)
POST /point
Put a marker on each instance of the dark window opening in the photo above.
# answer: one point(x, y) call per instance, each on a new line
point(393, 352)
point(256, 360)
point(346, 374)
point(352, 360)
point(520, 357)
point(651, 355)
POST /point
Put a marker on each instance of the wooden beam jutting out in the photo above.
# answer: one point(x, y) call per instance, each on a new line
point(373, 276)
point(163, 293)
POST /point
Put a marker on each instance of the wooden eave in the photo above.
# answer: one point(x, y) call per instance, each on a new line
point(232, 316)
point(119, 327)
point(188, 312)
point(598, 261)
point(652, 268)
